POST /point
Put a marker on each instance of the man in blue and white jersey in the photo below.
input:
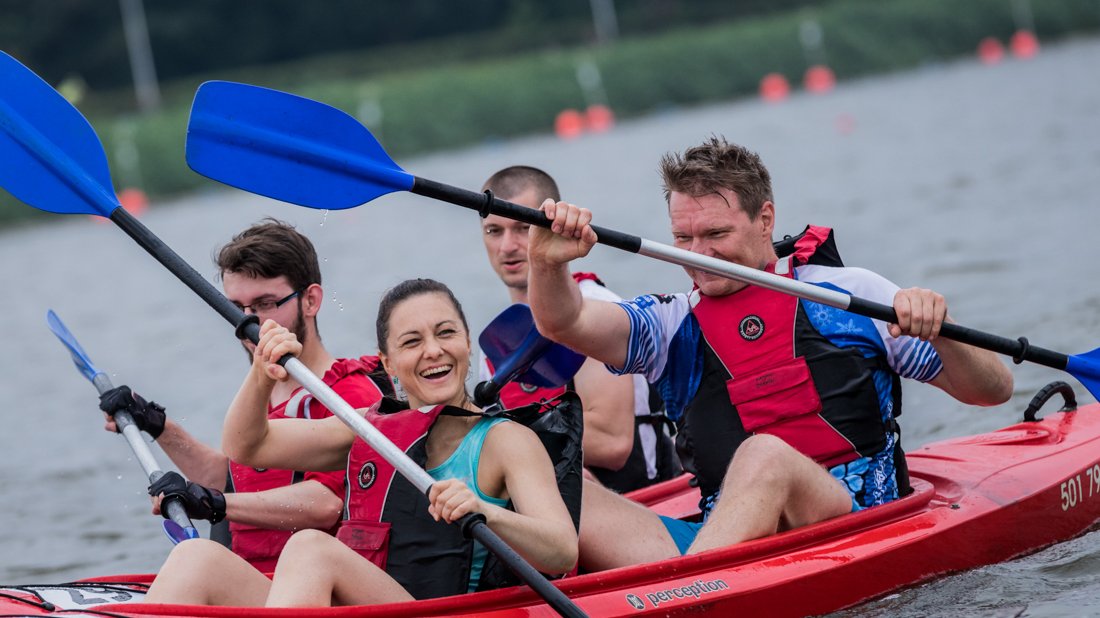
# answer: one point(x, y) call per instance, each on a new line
point(785, 407)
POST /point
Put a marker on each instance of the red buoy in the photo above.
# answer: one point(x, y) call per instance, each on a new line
point(990, 51)
point(599, 118)
point(774, 88)
point(134, 201)
point(1024, 45)
point(569, 124)
point(819, 79)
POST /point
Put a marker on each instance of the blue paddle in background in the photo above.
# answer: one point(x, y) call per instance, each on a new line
point(51, 159)
point(178, 526)
point(304, 152)
point(518, 352)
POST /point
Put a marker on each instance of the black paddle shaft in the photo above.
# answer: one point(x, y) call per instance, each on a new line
point(1019, 349)
point(246, 325)
point(474, 526)
point(485, 204)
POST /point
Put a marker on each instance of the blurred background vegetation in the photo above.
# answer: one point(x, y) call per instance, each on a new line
point(425, 75)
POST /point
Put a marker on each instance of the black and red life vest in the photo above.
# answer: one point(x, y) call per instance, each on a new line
point(766, 369)
point(386, 517)
point(261, 546)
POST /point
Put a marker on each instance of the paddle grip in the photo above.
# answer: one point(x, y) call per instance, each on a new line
point(486, 393)
point(485, 204)
point(1016, 348)
point(474, 526)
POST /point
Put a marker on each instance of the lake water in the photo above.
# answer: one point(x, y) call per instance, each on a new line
point(977, 181)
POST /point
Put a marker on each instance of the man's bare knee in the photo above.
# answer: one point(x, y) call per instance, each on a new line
point(306, 540)
point(761, 458)
point(764, 447)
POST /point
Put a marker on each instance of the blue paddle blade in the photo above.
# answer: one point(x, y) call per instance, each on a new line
point(288, 148)
point(1086, 368)
point(177, 533)
point(514, 346)
point(52, 159)
point(80, 357)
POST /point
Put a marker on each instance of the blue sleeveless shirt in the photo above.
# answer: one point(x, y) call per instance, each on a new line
point(463, 465)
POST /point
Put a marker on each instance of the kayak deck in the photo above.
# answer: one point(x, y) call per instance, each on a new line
point(977, 500)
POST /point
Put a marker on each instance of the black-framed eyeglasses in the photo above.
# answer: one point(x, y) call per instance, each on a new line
point(267, 305)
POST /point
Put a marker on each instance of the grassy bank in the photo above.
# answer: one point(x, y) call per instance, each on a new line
point(457, 103)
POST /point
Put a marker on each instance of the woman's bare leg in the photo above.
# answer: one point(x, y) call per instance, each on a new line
point(202, 572)
point(317, 570)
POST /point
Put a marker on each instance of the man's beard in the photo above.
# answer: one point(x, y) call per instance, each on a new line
point(298, 328)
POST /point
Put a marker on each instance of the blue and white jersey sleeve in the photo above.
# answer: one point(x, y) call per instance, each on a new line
point(909, 357)
point(655, 320)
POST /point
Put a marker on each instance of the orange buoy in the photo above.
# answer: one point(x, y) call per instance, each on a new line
point(1024, 45)
point(990, 51)
point(569, 124)
point(599, 118)
point(819, 79)
point(774, 88)
point(134, 201)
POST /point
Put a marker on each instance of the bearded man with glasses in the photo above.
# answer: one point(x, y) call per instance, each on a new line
point(270, 270)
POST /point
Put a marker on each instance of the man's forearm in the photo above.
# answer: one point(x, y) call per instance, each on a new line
point(308, 504)
point(198, 462)
point(555, 300)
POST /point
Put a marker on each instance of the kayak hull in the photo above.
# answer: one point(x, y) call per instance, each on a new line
point(978, 500)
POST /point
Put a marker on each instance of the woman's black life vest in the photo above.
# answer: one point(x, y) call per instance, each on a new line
point(386, 518)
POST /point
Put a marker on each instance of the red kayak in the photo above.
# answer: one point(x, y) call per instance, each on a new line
point(978, 500)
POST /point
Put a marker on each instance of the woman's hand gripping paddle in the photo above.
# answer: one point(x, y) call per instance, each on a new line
point(300, 151)
point(53, 161)
point(178, 525)
point(517, 352)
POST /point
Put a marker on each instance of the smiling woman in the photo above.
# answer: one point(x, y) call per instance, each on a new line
point(393, 545)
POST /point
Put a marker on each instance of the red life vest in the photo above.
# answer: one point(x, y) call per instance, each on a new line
point(386, 517)
point(768, 370)
point(261, 546)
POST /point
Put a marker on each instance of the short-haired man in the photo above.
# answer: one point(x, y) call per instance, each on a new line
point(626, 444)
point(270, 270)
point(785, 406)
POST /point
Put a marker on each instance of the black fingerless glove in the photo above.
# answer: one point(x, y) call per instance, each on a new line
point(199, 502)
point(148, 415)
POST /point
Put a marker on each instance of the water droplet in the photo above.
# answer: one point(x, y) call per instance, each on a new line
point(324, 216)
point(119, 477)
point(340, 306)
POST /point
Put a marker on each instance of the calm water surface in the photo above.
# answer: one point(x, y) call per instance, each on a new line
point(979, 182)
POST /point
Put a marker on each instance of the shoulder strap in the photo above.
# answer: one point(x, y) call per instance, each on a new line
point(815, 245)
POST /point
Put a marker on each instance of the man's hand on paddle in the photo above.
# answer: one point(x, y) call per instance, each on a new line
point(570, 236)
point(148, 415)
point(199, 502)
point(921, 313)
point(275, 343)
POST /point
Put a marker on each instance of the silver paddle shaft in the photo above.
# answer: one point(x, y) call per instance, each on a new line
point(755, 276)
point(130, 431)
point(343, 410)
